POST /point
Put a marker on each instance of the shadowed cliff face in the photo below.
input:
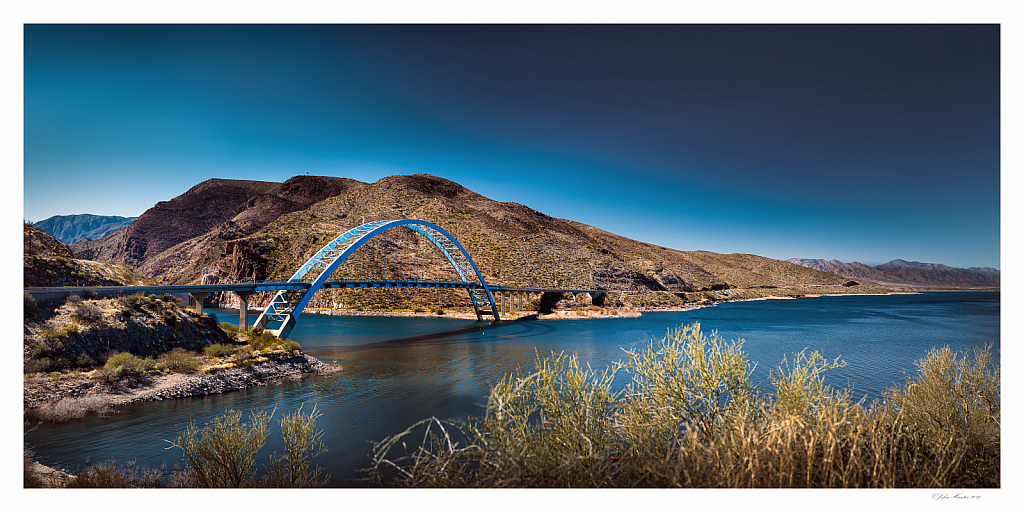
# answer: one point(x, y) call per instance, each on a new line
point(910, 273)
point(245, 230)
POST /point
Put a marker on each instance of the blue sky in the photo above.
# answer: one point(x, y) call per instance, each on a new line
point(855, 142)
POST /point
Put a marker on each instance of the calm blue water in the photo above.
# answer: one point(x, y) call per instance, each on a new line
point(400, 370)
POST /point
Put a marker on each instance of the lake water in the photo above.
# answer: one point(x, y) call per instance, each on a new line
point(400, 370)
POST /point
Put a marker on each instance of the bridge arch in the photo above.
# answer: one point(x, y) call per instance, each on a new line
point(287, 305)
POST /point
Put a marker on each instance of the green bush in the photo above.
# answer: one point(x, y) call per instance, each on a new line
point(124, 364)
point(218, 350)
point(228, 327)
point(178, 361)
point(136, 300)
point(290, 346)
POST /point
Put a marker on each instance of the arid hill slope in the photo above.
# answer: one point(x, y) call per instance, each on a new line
point(48, 262)
point(510, 243)
point(228, 208)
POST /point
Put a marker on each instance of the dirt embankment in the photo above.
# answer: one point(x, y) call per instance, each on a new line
point(66, 346)
point(56, 399)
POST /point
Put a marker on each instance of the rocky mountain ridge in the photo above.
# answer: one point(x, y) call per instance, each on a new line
point(72, 228)
point(908, 273)
point(246, 230)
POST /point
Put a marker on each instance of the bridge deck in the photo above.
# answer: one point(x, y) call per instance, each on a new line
point(60, 292)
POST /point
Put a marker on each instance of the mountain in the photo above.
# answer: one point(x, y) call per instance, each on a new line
point(224, 208)
point(231, 229)
point(49, 262)
point(908, 273)
point(72, 228)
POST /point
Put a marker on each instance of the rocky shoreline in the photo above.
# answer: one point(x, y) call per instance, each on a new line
point(68, 397)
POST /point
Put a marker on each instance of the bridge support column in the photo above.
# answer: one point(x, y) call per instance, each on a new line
point(199, 296)
point(503, 296)
point(243, 310)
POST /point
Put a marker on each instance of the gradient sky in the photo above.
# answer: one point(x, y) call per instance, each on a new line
point(855, 142)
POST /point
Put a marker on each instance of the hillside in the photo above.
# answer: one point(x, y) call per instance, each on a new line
point(908, 273)
point(227, 209)
point(48, 262)
point(511, 244)
point(72, 228)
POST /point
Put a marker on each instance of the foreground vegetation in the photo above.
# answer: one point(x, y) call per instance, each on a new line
point(221, 454)
point(690, 417)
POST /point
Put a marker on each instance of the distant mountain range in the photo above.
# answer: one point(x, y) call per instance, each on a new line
point(72, 228)
point(908, 273)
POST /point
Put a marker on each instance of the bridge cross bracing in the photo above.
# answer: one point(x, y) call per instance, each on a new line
point(287, 305)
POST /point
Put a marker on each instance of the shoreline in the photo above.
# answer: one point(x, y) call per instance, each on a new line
point(632, 312)
point(71, 398)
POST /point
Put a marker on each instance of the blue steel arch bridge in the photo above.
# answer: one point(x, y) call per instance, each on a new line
point(292, 296)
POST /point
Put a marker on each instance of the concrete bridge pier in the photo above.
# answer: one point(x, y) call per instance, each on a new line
point(243, 310)
point(199, 296)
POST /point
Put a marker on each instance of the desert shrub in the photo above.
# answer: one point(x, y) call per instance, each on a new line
point(224, 453)
point(290, 346)
point(800, 388)
point(259, 339)
point(243, 357)
point(124, 364)
point(73, 299)
point(68, 409)
point(228, 327)
point(136, 300)
point(686, 379)
point(689, 417)
point(169, 317)
point(70, 329)
point(953, 398)
point(178, 361)
point(113, 475)
point(303, 444)
point(218, 350)
point(87, 313)
point(51, 355)
point(88, 294)
point(43, 350)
